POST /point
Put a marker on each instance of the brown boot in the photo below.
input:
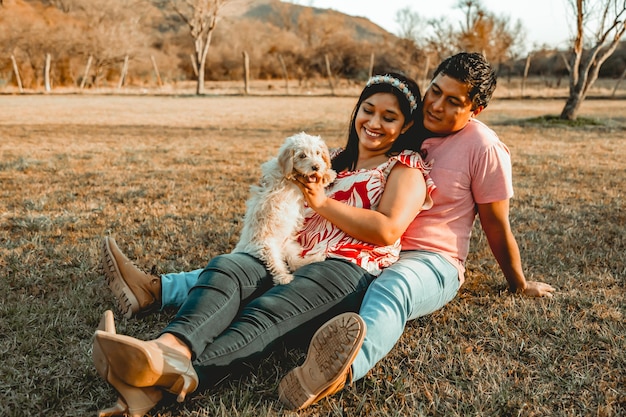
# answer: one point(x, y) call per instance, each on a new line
point(132, 401)
point(134, 290)
point(328, 365)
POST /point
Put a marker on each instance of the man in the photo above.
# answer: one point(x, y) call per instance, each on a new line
point(472, 172)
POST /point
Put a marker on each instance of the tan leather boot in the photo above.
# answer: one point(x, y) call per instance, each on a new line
point(134, 290)
point(132, 401)
point(133, 364)
point(328, 364)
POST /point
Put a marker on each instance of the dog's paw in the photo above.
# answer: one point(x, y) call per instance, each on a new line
point(283, 279)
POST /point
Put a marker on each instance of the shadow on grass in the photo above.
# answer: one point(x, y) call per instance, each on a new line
point(551, 120)
point(554, 121)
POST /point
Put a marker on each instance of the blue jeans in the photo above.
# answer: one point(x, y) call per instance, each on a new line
point(234, 314)
point(416, 285)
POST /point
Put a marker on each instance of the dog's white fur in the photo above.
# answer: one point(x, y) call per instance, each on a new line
point(275, 209)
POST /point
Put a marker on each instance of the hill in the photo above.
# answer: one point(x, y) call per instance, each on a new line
point(285, 15)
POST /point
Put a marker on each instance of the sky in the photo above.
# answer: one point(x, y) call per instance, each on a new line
point(546, 21)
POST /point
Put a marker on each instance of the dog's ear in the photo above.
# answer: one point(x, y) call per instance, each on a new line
point(328, 177)
point(285, 159)
point(326, 156)
point(329, 174)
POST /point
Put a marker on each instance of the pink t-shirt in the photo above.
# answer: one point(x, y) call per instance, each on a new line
point(470, 166)
point(362, 188)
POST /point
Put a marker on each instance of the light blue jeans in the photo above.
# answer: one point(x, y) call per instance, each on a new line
point(418, 284)
point(175, 287)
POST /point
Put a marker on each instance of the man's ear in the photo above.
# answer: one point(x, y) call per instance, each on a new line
point(477, 111)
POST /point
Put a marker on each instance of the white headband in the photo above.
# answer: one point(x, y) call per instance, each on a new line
point(391, 80)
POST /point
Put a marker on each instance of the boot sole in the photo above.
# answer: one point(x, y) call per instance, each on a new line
point(331, 352)
point(127, 303)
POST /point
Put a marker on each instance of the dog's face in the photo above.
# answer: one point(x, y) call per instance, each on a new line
point(307, 156)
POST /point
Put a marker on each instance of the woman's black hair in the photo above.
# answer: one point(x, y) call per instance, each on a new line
point(409, 140)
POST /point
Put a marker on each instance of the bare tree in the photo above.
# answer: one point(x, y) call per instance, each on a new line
point(441, 43)
point(111, 31)
point(410, 23)
point(591, 50)
point(283, 16)
point(484, 32)
point(201, 18)
point(497, 37)
point(30, 37)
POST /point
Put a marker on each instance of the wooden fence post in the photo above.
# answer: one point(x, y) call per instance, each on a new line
point(330, 75)
point(46, 74)
point(123, 74)
point(17, 74)
point(526, 68)
point(246, 72)
point(156, 71)
point(86, 74)
point(285, 75)
point(370, 71)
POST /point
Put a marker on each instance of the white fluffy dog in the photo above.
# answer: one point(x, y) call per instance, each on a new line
point(275, 209)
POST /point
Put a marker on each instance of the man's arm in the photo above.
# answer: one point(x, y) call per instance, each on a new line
point(494, 219)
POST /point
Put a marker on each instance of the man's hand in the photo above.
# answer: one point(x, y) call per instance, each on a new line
point(538, 289)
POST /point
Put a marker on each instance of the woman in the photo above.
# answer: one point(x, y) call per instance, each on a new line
point(233, 314)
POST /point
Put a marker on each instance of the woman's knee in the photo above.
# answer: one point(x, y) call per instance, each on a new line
point(231, 262)
point(316, 288)
point(333, 275)
point(241, 268)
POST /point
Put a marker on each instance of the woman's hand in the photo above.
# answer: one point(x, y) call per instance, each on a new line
point(312, 189)
point(401, 201)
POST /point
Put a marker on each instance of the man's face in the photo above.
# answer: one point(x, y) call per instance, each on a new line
point(447, 107)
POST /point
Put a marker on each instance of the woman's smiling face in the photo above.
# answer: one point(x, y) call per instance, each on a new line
point(378, 122)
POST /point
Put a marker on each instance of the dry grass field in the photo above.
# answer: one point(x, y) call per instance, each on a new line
point(168, 177)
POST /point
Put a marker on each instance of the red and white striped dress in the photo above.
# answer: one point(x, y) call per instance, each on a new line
point(362, 188)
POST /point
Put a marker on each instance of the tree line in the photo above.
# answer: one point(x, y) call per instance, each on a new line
point(90, 43)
